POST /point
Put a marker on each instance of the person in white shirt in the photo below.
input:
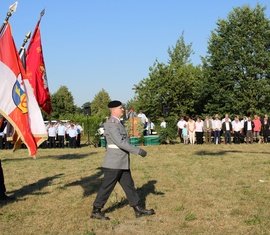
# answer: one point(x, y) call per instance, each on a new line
point(61, 132)
point(180, 125)
point(237, 127)
point(52, 135)
point(216, 125)
point(79, 131)
point(72, 132)
point(143, 117)
point(227, 129)
point(248, 127)
point(226, 118)
point(150, 127)
point(144, 121)
point(163, 124)
point(199, 130)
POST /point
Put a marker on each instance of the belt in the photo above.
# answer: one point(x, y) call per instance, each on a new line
point(112, 146)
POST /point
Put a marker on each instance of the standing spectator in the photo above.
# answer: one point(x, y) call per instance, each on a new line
point(163, 123)
point(257, 127)
point(52, 135)
point(61, 132)
point(72, 132)
point(185, 134)
point(248, 127)
point(226, 117)
point(207, 128)
point(180, 126)
point(265, 128)
point(150, 127)
point(216, 125)
point(191, 130)
point(227, 129)
point(243, 133)
point(144, 121)
point(199, 130)
point(237, 129)
point(79, 132)
point(131, 113)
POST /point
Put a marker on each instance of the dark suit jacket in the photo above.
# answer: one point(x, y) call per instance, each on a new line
point(245, 126)
point(224, 126)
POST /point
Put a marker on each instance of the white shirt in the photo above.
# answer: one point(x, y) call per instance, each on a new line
point(52, 131)
point(216, 124)
point(72, 132)
point(79, 128)
point(237, 125)
point(223, 120)
point(199, 126)
point(163, 124)
point(249, 126)
point(143, 117)
point(152, 126)
point(227, 126)
point(181, 123)
point(61, 130)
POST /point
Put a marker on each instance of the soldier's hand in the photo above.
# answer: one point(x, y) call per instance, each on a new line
point(142, 153)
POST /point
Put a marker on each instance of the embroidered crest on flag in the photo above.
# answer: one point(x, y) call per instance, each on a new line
point(19, 95)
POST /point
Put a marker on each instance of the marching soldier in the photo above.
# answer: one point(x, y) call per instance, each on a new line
point(116, 165)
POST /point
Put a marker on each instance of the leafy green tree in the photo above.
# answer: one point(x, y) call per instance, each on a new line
point(171, 89)
point(99, 104)
point(237, 67)
point(62, 103)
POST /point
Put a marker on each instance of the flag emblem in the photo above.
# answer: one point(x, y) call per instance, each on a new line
point(19, 95)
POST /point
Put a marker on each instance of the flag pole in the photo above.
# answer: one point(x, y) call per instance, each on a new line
point(27, 37)
point(41, 14)
point(12, 9)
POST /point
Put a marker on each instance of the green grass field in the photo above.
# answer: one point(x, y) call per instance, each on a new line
point(206, 189)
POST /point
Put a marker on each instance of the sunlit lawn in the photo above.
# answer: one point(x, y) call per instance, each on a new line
point(204, 189)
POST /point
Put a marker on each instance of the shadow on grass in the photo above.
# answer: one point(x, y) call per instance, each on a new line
point(71, 156)
point(33, 189)
point(68, 156)
point(143, 192)
point(224, 152)
point(90, 184)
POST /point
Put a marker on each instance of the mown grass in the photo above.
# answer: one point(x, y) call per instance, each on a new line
point(204, 189)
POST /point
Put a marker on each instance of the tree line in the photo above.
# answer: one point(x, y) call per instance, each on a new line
point(234, 76)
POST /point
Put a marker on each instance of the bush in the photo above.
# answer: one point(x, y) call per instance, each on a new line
point(168, 135)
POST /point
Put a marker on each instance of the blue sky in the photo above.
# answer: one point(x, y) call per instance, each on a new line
point(91, 45)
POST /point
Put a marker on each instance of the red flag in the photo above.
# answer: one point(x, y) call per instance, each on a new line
point(13, 98)
point(36, 72)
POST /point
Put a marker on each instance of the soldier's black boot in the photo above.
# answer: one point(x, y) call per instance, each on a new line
point(97, 214)
point(139, 211)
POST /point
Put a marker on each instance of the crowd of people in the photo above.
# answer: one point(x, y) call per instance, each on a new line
point(60, 135)
point(63, 134)
point(248, 129)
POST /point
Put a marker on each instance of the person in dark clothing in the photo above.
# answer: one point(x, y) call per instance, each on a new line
point(3, 196)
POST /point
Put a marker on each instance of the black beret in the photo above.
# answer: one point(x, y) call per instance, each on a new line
point(114, 104)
